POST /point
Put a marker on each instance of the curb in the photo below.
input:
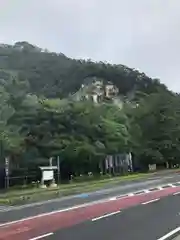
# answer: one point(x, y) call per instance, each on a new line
point(149, 190)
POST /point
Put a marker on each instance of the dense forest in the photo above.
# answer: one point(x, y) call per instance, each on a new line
point(39, 119)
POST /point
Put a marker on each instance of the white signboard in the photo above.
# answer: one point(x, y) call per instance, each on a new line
point(48, 175)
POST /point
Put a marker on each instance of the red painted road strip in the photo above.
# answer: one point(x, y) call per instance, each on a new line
point(28, 229)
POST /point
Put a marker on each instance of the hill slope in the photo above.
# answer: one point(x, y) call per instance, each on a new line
point(55, 75)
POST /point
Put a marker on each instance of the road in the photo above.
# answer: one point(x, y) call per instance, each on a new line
point(114, 190)
point(149, 215)
point(144, 222)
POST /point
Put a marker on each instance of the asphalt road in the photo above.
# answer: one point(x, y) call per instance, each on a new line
point(144, 222)
point(176, 238)
point(158, 212)
point(115, 190)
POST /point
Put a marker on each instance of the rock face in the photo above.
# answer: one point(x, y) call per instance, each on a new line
point(98, 91)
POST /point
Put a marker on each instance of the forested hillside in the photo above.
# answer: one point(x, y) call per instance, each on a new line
point(38, 120)
point(55, 75)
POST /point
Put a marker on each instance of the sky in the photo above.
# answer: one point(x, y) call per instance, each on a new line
point(142, 34)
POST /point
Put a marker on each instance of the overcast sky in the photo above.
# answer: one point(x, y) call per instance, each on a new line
point(143, 34)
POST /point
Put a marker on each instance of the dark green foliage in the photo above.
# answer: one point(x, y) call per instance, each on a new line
point(38, 120)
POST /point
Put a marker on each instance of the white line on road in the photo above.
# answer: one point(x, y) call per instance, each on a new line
point(146, 191)
point(104, 216)
point(171, 185)
point(113, 198)
point(151, 201)
point(131, 194)
point(55, 212)
point(170, 234)
point(42, 236)
point(61, 210)
point(177, 193)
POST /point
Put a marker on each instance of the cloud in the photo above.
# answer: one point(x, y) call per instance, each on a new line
point(141, 34)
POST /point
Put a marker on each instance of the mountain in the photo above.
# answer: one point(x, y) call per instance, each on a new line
point(55, 75)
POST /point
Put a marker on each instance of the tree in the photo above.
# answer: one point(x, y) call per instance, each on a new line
point(10, 139)
point(55, 75)
point(158, 117)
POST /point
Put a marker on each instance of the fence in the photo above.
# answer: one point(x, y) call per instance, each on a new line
point(22, 180)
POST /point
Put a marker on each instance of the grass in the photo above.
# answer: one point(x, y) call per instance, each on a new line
point(23, 196)
point(72, 186)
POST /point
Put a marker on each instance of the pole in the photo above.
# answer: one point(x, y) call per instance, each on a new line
point(58, 167)
point(7, 171)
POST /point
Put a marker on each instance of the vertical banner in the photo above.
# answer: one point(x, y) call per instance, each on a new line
point(7, 172)
point(7, 166)
point(116, 160)
point(107, 163)
point(110, 161)
point(50, 162)
point(58, 168)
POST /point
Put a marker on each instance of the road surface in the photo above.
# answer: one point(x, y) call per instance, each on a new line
point(15, 213)
point(150, 215)
point(176, 238)
point(144, 222)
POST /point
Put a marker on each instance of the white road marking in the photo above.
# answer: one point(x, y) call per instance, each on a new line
point(170, 234)
point(14, 208)
point(61, 210)
point(151, 201)
point(130, 194)
point(54, 212)
point(171, 185)
point(177, 193)
point(104, 216)
point(42, 236)
point(112, 199)
point(146, 191)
